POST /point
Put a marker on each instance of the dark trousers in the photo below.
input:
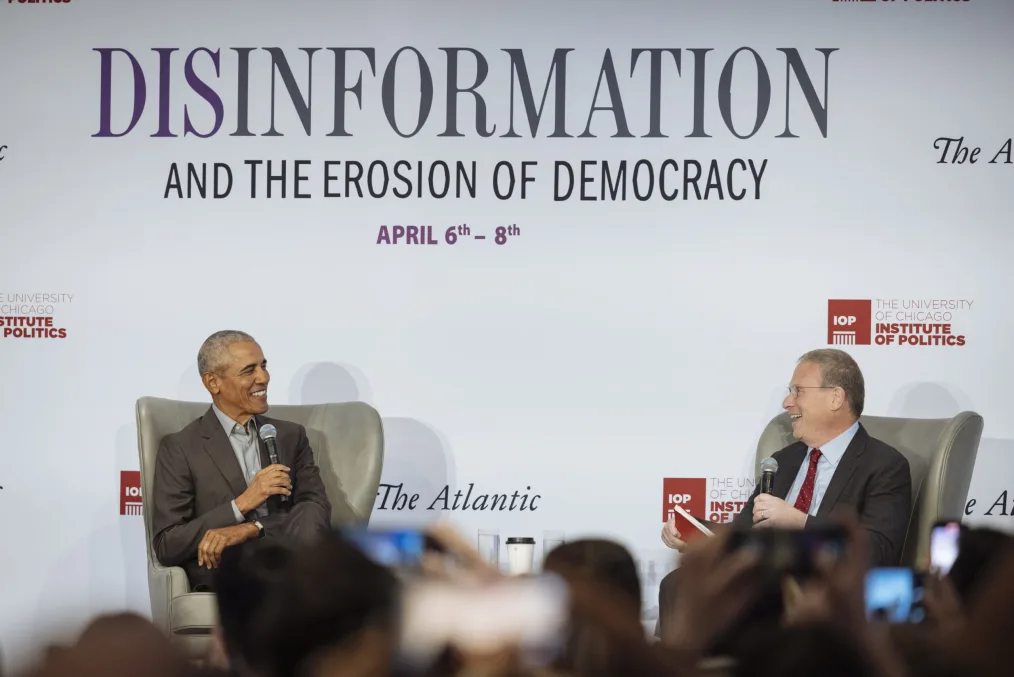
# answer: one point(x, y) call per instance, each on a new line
point(300, 525)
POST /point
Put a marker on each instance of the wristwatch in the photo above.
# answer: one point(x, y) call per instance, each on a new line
point(260, 529)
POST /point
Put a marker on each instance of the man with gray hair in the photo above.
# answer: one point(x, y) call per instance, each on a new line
point(834, 464)
point(215, 486)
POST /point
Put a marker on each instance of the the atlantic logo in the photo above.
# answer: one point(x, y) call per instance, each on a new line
point(911, 322)
point(715, 499)
point(130, 492)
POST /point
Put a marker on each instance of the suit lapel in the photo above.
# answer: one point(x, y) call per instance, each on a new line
point(788, 468)
point(843, 473)
point(217, 446)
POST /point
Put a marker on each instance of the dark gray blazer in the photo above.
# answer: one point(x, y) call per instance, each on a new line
point(197, 476)
point(872, 479)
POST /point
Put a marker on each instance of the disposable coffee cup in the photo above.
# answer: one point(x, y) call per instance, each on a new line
point(520, 555)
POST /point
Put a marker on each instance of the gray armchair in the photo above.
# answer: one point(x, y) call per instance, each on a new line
point(941, 454)
point(348, 446)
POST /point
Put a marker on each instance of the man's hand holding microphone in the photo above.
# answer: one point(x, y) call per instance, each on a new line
point(768, 510)
point(270, 481)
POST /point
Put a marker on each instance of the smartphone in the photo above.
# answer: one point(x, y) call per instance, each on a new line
point(483, 616)
point(945, 540)
point(394, 548)
point(792, 552)
point(895, 595)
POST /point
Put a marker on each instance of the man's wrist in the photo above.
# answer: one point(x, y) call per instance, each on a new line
point(241, 504)
point(237, 513)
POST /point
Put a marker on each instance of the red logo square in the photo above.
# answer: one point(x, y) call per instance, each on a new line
point(130, 492)
point(849, 322)
point(690, 493)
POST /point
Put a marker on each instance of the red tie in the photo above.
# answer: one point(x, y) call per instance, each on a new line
point(806, 492)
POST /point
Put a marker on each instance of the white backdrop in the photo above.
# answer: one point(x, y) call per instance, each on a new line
point(609, 345)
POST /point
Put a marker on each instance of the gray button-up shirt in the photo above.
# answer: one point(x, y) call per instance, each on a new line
point(244, 445)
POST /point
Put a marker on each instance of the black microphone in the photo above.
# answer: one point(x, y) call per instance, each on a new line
point(268, 433)
point(769, 466)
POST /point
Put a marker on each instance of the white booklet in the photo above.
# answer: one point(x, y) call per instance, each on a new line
point(682, 516)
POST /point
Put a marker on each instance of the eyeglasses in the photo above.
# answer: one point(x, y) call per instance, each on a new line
point(794, 390)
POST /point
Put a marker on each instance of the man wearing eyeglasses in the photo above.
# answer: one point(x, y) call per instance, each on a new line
point(835, 463)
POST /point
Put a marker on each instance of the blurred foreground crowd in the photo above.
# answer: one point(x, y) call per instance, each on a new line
point(329, 610)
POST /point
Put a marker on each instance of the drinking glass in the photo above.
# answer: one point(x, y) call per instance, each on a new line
point(550, 540)
point(489, 547)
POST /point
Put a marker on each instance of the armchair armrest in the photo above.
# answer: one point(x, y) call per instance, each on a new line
point(165, 583)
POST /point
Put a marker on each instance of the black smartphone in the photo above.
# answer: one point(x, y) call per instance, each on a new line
point(791, 552)
point(895, 595)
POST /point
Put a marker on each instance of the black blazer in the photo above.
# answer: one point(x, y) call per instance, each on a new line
point(872, 478)
point(197, 476)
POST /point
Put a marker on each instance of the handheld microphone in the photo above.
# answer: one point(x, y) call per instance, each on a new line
point(268, 433)
point(769, 467)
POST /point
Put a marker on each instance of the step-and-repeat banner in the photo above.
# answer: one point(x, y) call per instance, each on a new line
point(569, 251)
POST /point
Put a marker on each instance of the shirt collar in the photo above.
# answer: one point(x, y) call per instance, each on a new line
point(227, 423)
point(835, 449)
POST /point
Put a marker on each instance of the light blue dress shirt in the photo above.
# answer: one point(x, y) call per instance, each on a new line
point(244, 445)
point(830, 457)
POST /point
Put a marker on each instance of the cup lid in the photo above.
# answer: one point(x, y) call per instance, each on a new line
point(520, 540)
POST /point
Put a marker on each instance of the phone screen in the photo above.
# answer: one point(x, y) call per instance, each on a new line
point(894, 595)
point(529, 612)
point(394, 548)
point(944, 544)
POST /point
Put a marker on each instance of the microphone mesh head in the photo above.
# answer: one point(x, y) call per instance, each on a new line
point(769, 464)
point(268, 432)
